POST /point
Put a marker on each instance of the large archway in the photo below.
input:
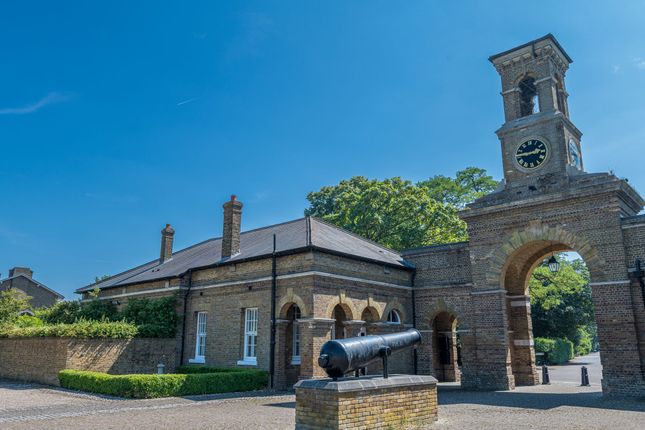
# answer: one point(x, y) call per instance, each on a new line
point(517, 275)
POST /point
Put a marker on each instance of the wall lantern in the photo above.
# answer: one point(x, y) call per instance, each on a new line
point(554, 265)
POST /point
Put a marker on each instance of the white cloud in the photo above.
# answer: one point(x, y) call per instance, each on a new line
point(49, 99)
point(639, 63)
point(615, 68)
point(187, 101)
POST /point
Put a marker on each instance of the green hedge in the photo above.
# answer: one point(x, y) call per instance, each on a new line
point(207, 369)
point(557, 351)
point(150, 386)
point(80, 329)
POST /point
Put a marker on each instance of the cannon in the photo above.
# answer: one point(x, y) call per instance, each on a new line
point(342, 356)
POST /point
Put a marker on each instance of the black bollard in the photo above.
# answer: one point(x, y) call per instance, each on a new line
point(545, 375)
point(585, 377)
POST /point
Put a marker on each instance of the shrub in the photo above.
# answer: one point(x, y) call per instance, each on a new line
point(154, 317)
point(28, 321)
point(208, 369)
point(12, 301)
point(65, 312)
point(583, 341)
point(149, 386)
point(81, 329)
point(557, 351)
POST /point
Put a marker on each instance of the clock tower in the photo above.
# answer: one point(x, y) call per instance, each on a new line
point(540, 144)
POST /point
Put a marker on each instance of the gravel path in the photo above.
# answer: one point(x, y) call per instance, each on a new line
point(564, 406)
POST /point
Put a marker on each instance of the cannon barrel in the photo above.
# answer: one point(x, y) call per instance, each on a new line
point(341, 356)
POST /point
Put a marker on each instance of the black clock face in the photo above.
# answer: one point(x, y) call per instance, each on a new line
point(531, 154)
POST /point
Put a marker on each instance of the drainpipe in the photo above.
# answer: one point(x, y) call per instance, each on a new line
point(183, 325)
point(640, 274)
point(414, 319)
point(273, 321)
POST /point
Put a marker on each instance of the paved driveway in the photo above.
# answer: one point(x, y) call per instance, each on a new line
point(557, 406)
point(570, 373)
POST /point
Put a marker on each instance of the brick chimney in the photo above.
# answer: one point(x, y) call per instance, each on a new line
point(21, 271)
point(167, 236)
point(232, 226)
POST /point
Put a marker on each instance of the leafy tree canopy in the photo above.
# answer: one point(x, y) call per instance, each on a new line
point(561, 302)
point(467, 186)
point(393, 212)
point(12, 301)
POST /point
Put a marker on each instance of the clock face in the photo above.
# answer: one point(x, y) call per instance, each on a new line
point(531, 154)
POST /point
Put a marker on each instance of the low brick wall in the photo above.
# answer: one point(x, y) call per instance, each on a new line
point(40, 359)
point(401, 401)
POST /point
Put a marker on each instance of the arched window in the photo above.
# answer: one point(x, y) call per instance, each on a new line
point(529, 100)
point(393, 317)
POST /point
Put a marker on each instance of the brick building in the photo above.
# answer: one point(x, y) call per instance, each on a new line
point(21, 279)
point(315, 281)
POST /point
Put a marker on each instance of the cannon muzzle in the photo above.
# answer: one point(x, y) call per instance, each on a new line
point(342, 356)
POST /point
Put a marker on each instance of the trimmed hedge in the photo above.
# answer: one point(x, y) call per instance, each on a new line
point(80, 329)
point(557, 351)
point(207, 369)
point(168, 385)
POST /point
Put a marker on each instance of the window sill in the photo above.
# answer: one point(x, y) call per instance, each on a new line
point(295, 361)
point(248, 362)
point(197, 360)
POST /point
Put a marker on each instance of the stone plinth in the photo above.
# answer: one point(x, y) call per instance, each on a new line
point(401, 401)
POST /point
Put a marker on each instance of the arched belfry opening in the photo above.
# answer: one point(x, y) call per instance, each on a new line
point(529, 98)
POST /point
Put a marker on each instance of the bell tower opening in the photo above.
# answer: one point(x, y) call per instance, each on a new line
point(529, 99)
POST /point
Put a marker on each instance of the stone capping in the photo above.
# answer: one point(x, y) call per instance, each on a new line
point(366, 383)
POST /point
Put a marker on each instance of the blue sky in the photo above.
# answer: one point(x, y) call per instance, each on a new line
point(118, 117)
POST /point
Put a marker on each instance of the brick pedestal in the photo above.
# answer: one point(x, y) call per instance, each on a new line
point(401, 401)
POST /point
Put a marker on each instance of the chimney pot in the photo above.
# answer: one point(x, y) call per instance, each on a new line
point(232, 227)
point(167, 237)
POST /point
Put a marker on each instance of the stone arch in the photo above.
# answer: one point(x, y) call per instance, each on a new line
point(348, 307)
point(395, 304)
point(370, 314)
point(289, 299)
point(425, 322)
point(560, 240)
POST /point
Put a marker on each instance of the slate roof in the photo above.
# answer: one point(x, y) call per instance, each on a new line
point(43, 286)
point(301, 234)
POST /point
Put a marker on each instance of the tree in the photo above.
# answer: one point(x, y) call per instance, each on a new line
point(393, 212)
point(12, 301)
point(561, 305)
point(467, 186)
point(98, 279)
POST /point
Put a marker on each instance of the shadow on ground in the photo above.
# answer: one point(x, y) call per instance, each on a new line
point(537, 400)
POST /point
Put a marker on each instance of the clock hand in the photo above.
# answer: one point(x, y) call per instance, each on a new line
point(535, 151)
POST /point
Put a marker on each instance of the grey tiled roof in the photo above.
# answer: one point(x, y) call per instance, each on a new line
point(302, 233)
point(43, 286)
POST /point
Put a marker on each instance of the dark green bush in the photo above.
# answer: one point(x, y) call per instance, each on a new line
point(149, 386)
point(153, 317)
point(65, 312)
point(557, 351)
point(81, 329)
point(196, 368)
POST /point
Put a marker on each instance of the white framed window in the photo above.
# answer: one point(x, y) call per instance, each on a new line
point(295, 357)
point(393, 317)
point(250, 337)
point(200, 338)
